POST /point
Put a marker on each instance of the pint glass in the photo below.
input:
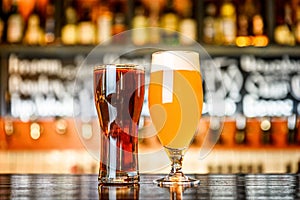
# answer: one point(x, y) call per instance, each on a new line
point(119, 96)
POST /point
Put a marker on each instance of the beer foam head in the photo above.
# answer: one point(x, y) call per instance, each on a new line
point(175, 60)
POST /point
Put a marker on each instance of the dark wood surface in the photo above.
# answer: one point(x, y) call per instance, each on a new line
point(213, 186)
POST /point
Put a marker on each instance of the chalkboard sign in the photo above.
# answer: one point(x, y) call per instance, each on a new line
point(255, 87)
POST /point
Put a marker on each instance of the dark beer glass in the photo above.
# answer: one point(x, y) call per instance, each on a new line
point(119, 96)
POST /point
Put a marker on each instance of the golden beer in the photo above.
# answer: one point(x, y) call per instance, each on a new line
point(175, 99)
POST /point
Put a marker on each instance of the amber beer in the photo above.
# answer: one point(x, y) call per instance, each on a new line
point(119, 96)
point(175, 97)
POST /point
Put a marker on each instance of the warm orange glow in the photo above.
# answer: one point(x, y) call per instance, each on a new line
point(260, 41)
point(41, 135)
point(243, 41)
point(26, 7)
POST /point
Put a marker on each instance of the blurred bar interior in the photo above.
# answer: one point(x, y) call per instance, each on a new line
point(254, 44)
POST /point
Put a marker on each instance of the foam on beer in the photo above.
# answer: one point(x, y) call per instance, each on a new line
point(175, 60)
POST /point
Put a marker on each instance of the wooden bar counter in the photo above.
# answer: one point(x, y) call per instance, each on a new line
point(213, 186)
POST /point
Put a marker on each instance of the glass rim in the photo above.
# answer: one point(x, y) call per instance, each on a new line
point(175, 51)
point(120, 66)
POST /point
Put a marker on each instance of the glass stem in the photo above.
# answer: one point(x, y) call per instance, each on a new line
point(176, 157)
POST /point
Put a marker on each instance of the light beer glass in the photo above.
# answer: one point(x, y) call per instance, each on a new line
point(175, 104)
point(119, 97)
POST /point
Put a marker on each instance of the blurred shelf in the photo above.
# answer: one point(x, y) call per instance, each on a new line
point(267, 52)
point(213, 50)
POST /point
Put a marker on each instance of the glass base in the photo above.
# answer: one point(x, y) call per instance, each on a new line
point(119, 179)
point(176, 176)
point(177, 180)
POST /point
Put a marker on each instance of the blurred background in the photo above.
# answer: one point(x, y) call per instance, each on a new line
point(254, 73)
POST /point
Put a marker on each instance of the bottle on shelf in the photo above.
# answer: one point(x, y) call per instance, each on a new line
point(139, 24)
point(243, 39)
point(187, 25)
point(228, 17)
point(250, 25)
point(283, 33)
point(209, 24)
point(119, 26)
point(169, 22)
point(86, 31)
point(69, 30)
point(34, 34)
point(153, 22)
point(15, 24)
point(50, 24)
point(104, 23)
point(297, 25)
point(119, 21)
point(245, 14)
point(259, 38)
